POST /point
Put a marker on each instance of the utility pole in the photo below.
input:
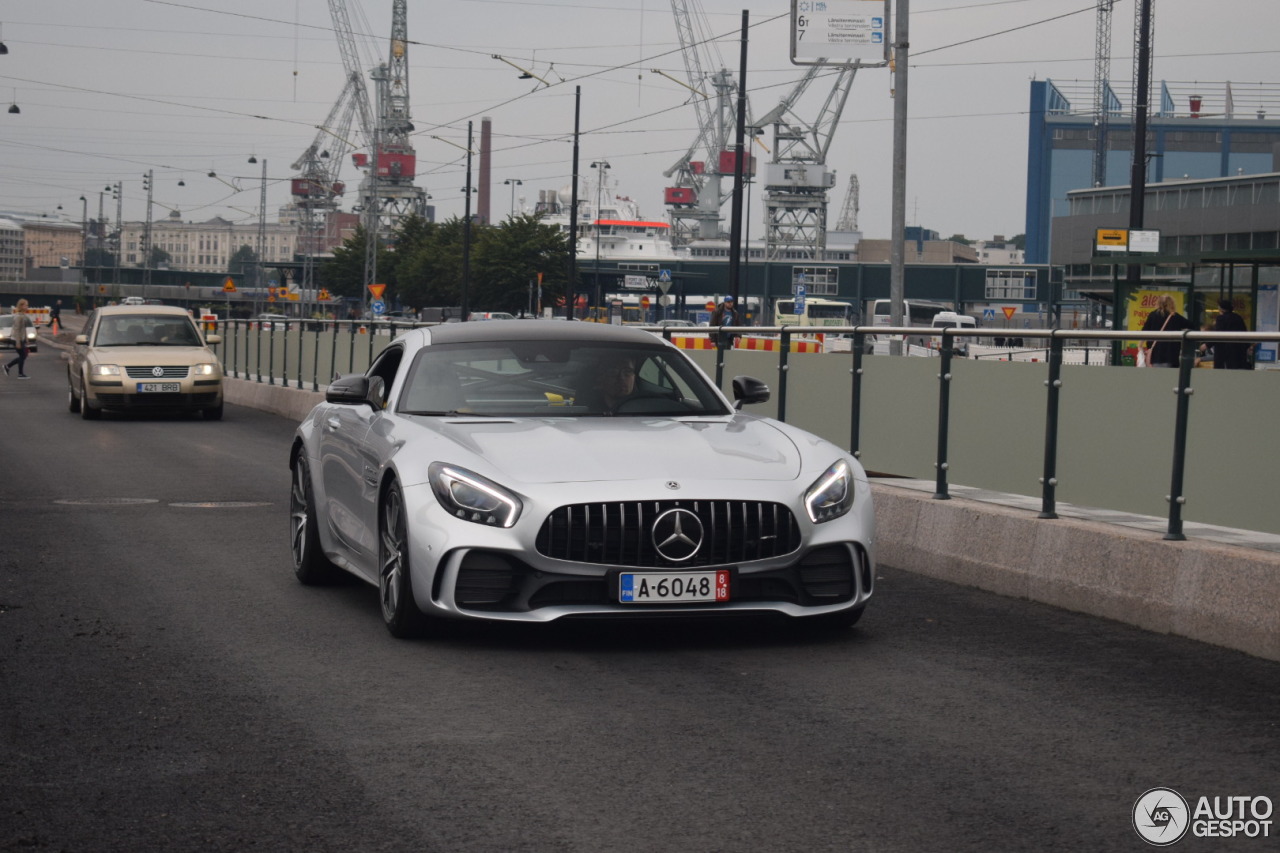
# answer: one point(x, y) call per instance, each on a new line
point(897, 259)
point(148, 182)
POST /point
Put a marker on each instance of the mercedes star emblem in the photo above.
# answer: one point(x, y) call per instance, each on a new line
point(677, 535)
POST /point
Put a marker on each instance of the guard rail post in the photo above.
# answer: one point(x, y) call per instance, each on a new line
point(944, 416)
point(315, 367)
point(1186, 362)
point(271, 351)
point(1049, 482)
point(784, 352)
point(855, 396)
point(351, 354)
point(257, 355)
point(302, 327)
point(718, 335)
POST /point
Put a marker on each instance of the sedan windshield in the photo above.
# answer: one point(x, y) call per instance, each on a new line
point(556, 379)
point(140, 330)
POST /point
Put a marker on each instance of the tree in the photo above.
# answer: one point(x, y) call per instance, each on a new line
point(961, 239)
point(343, 274)
point(1020, 242)
point(509, 258)
point(243, 260)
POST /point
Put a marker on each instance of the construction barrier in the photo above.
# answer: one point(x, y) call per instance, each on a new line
point(773, 344)
point(759, 343)
point(693, 342)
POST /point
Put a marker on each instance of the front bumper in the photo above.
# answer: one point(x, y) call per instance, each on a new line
point(124, 394)
point(464, 570)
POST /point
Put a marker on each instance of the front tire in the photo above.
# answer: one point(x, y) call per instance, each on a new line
point(400, 612)
point(309, 562)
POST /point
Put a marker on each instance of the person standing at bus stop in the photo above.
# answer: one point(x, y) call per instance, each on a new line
point(1164, 319)
point(21, 322)
point(1230, 355)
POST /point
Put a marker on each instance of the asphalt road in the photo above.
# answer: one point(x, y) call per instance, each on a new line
point(166, 684)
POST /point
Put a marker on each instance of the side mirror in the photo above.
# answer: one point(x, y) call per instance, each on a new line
point(357, 390)
point(748, 389)
point(82, 339)
point(213, 340)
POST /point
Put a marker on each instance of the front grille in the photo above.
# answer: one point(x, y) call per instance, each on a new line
point(166, 372)
point(621, 533)
point(156, 401)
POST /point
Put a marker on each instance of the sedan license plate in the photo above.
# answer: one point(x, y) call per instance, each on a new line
point(673, 587)
point(159, 387)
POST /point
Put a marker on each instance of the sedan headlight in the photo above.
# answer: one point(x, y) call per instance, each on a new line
point(204, 370)
point(469, 496)
point(831, 495)
point(105, 370)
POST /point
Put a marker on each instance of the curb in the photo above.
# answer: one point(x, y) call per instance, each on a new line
point(1206, 591)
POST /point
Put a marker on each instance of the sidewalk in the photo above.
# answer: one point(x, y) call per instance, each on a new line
point(1150, 523)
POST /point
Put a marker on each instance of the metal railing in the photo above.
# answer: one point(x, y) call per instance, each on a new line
point(325, 348)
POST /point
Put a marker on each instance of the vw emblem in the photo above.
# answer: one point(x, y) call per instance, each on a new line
point(672, 485)
point(677, 535)
point(157, 372)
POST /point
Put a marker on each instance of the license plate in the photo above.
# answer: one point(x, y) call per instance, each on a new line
point(673, 587)
point(159, 387)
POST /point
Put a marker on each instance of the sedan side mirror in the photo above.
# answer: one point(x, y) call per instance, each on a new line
point(357, 390)
point(748, 389)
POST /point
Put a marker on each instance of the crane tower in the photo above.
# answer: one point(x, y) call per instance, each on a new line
point(694, 199)
point(388, 190)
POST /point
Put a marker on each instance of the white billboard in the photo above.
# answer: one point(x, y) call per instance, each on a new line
point(839, 32)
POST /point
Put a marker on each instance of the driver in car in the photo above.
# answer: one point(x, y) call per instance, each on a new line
point(613, 382)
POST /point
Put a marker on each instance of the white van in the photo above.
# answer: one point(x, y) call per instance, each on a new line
point(952, 320)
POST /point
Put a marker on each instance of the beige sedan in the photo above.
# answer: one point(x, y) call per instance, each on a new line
point(144, 358)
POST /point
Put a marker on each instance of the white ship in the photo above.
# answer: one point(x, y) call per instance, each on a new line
point(618, 233)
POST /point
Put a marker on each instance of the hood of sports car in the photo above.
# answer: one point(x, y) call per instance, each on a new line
point(590, 449)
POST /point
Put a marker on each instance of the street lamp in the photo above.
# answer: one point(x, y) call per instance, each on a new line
point(513, 182)
point(601, 167)
point(262, 221)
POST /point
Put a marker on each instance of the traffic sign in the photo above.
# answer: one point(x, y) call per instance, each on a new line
point(664, 275)
point(228, 286)
point(378, 307)
point(377, 290)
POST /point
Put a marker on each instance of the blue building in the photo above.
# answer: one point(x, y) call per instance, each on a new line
point(1195, 130)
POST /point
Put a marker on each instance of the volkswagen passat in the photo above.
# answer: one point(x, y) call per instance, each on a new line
point(143, 358)
point(530, 471)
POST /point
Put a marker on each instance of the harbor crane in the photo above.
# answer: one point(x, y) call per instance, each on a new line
point(796, 179)
point(695, 197)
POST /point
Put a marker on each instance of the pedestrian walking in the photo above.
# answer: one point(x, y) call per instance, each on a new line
point(55, 318)
point(21, 322)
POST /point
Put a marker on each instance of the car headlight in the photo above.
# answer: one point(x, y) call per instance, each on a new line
point(204, 370)
point(105, 370)
point(831, 495)
point(469, 496)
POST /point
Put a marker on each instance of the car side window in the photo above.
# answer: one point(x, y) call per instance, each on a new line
point(385, 367)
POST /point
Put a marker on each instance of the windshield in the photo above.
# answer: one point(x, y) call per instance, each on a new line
point(556, 379)
point(156, 330)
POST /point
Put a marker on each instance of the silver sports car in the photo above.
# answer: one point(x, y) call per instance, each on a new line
point(531, 471)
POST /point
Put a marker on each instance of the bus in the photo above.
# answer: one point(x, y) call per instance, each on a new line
point(915, 312)
point(817, 312)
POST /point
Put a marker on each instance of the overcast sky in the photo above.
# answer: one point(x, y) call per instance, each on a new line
point(109, 89)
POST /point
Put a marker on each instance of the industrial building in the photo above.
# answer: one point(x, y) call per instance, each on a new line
point(1195, 131)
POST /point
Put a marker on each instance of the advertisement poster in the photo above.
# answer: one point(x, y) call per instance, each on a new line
point(1268, 321)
